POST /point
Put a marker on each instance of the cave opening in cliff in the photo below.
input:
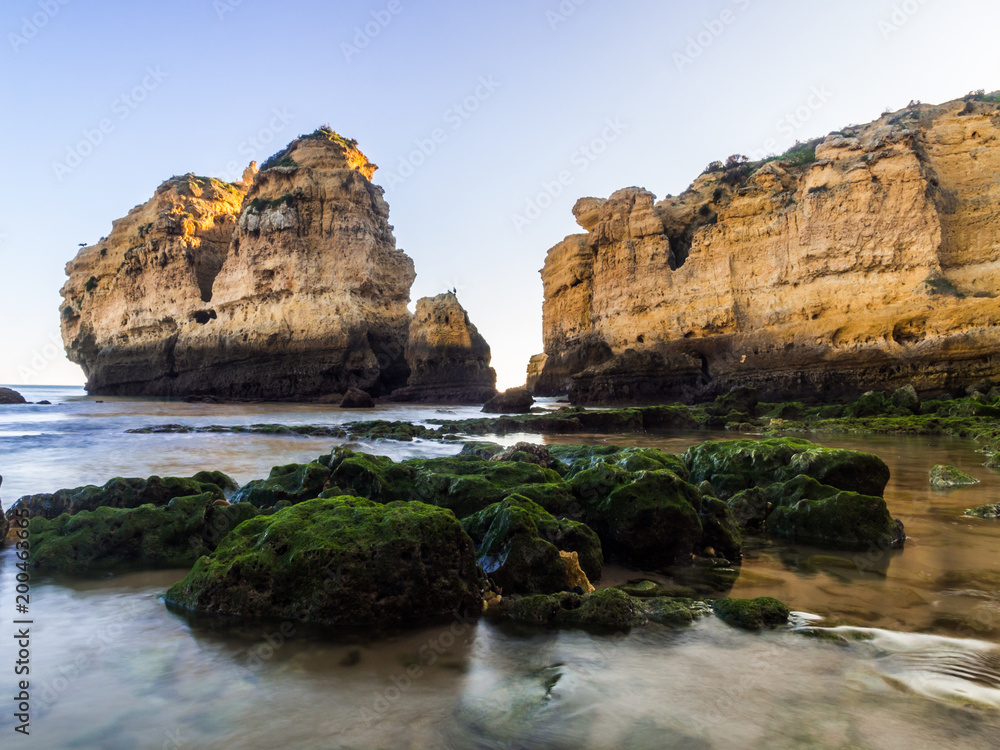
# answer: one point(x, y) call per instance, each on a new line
point(208, 262)
point(680, 248)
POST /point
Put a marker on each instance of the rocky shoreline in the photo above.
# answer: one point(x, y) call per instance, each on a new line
point(523, 533)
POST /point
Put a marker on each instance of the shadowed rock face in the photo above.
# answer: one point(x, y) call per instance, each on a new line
point(449, 360)
point(870, 266)
point(288, 287)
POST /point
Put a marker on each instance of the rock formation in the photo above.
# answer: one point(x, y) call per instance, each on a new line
point(449, 360)
point(9, 396)
point(868, 259)
point(287, 287)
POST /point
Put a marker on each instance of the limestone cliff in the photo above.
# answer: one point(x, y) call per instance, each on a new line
point(448, 358)
point(287, 287)
point(866, 259)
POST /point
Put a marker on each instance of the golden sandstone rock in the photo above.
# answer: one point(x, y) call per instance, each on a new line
point(869, 265)
point(286, 285)
point(448, 358)
point(574, 573)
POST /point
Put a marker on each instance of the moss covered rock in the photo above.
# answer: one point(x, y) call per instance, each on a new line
point(750, 508)
point(720, 531)
point(339, 561)
point(988, 512)
point(650, 521)
point(751, 614)
point(518, 544)
point(292, 483)
point(808, 511)
point(732, 466)
point(169, 536)
point(948, 477)
point(604, 610)
point(125, 493)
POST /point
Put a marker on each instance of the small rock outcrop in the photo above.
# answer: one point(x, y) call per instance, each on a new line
point(355, 398)
point(865, 260)
point(449, 360)
point(4, 522)
point(286, 287)
point(511, 401)
point(10, 396)
point(948, 477)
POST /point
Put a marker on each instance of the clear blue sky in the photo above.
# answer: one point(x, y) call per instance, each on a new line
point(515, 90)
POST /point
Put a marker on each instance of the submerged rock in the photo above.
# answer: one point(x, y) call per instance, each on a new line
point(521, 547)
point(603, 610)
point(339, 561)
point(169, 536)
point(751, 614)
point(511, 401)
point(9, 396)
point(125, 493)
point(947, 477)
point(989, 511)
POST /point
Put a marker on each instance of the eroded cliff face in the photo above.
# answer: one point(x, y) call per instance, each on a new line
point(872, 265)
point(288, 287)
point(448, 358)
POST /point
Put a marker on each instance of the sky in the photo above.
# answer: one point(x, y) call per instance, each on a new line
point(488, 119)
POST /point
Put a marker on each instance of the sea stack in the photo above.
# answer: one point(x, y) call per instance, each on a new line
point(864, 260)
point(449, 360)
point(287, 286)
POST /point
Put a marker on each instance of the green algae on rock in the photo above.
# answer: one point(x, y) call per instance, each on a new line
point(650, 521)
point(518, 544)
point(751, 614)
point(731, 466)
point(808, 511)
point(125, 493)
point(948, 477)
point(605, 610)
point(339, 561)
point(107, 538)
point(292, 483)
point(988, 512)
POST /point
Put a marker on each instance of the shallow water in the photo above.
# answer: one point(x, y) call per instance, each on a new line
point(914, 662)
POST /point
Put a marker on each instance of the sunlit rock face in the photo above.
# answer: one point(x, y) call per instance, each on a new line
point(286, 286)
point(449, 360)
point(871, 265)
